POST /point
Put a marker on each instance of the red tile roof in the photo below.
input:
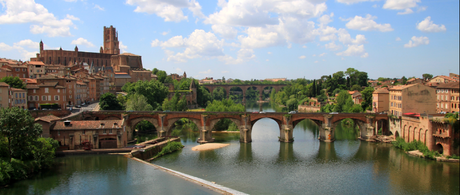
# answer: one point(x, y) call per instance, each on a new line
point(89, 125)
point(49, 118)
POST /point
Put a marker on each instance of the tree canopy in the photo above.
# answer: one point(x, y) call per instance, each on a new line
point(153, 90)
point(108, 101)
point(138, 102)
point(14, 82)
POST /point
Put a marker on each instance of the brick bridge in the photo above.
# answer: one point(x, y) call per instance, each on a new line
point(205, 121)
point(244, 87)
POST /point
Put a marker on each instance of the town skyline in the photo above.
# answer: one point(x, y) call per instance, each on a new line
point(382, 38)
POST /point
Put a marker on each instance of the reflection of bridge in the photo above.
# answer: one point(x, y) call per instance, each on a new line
point(205, 121)
point(244, 88)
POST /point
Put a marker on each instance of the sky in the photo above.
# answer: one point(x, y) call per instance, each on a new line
point(247, 39)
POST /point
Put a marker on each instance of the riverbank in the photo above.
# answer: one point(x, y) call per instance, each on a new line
point(225, 131)
point(419, 154)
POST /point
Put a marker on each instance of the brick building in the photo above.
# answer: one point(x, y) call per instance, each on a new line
point(100, 134)
point(18, 98)
point(447, 100)
point(4, 95)
point(415, 98)
point(380, 100)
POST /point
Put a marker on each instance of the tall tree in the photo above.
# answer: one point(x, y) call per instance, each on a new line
point(19, 127)
point(153, 90)
point(138, 102)
point(427, 76)
point(366, 104)
point(108, 101)
point(403, 80)
point(14, 82)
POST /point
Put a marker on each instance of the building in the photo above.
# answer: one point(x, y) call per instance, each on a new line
point(50, 91)
point(4, 95)
point(380, 100)
point(5, 72)
point(312, 106)
point(18, 98)
point(415, 98)
point(18, 70)
point(414, 81)
point(441, 79)
point(72, 135)
point(432, 130)
point(447, 100)
point(276, 79)
point(47, 122)
point(36, 69)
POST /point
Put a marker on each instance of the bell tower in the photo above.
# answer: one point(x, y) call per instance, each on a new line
point(111, 41)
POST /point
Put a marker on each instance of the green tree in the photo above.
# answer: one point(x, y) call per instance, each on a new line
point(138, 102)
point(108, 101)
point(342, 102)
point(14, 82)
point(176, 103)
point(122, 100)
point(427, 76)
point(226, 105)
point(356, 87)
point(161, 75)
point(153, 90)
point(366, 104)
point(20, 129)
point(403, 80)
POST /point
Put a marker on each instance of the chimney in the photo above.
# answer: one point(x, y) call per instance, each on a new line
point(67, 123)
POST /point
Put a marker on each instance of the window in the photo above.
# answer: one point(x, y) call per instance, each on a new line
point(59, 91)
point(46, 90)
point(104, 131)
point(49, 98)
point(44, 98)
point(110, 131)
point(16, 95)
point(35, 91)
point(56, 98)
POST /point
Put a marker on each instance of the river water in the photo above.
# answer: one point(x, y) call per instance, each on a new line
point(265, 166)
point(308, 166)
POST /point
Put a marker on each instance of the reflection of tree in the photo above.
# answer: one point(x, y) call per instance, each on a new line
point(286, 153)
point(346, 130)
point(326, 152)
point(245, 153)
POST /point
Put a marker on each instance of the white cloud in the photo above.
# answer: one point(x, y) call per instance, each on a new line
point(123, 47)
point(198, 44)
point(267, 60)
point(348, 2)
point(165, 33)
point(169, 10)
point(206, 72)
point(5, 47)
point(325, 19)
point(316, 61)
point(321, 55)
point(327, 33)
point(314, 55)
point(243, 55)
point(25, 54)
point(27, 11)
point(155, 43)
point(258, 14)
point(398, 39)
point(96, 6)
point(178, 70)
point(82, 41)
point(302, 57)
point(375, 6)
point(428, 26)
point(332, 46)
point(28, 43)
point(346, 39)
point(405, 5)
point(406, 11)
point(416, 41)
point(367, 24)
point(269, 53)
point(225, 71)
point(225, 31)
point(71, 0)
point(304, 46)
point(354, 50)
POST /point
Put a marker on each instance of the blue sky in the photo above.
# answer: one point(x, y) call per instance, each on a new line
point(248, 39)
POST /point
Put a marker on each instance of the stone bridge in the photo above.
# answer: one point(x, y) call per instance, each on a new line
point(205, 121)
point(244, 88)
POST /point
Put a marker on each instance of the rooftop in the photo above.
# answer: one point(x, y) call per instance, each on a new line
point(89, 125)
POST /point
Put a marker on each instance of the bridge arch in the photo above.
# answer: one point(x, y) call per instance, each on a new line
point(356, 122)
point(171, 121)
point(133, 123)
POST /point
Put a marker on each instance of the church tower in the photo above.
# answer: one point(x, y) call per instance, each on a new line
point(111, 41)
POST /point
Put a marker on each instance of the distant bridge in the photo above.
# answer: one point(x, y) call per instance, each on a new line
point(244, 88)
point(205, 121)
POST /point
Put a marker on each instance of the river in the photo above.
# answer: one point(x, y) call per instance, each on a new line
point(265, 166)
